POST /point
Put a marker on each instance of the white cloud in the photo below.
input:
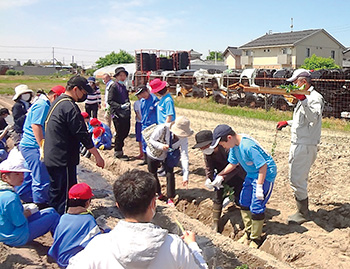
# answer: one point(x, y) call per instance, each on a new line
point(7, 4)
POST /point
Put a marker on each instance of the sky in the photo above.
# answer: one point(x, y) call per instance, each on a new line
point(87, 30)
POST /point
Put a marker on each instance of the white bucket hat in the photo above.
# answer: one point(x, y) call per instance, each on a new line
point(14, 162)
point(299, 73)
point(181, 127)
point(20, 89)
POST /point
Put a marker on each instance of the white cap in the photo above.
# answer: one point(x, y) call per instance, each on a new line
point(14, 162)
point(299, 73)
point(20, 89)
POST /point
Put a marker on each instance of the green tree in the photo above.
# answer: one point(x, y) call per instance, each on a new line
point(316, 63)
point(115, 58)
point(29, 63)
point(219, 56)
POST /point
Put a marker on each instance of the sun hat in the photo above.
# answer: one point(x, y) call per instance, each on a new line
point(59, 89)
point(94, 122)
point(118, 70)
point(98, 131)
point(91, 79)
point(80, 81)
point(20, 89)
point(140, 89)
point(181, 127)
point(219, 132)
point(85, 115)
point(14, 162)
point(157, 85)
point(299, 73)
point(81, 191)
point(203, 138)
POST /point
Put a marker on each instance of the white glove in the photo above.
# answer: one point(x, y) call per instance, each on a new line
point(208, 184)
point(217, 183)
point(33, 208)
point(259, 192)
point(125, 106)
point(225, 202)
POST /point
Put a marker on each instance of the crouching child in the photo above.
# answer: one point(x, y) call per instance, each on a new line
point(101, 139)
point(20, 225)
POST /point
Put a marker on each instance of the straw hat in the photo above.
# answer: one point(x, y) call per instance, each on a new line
point(181, 127)
point(20, 89)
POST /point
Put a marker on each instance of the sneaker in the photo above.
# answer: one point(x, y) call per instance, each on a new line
point(171, 202)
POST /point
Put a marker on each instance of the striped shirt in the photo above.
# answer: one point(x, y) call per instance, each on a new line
point(94, 98)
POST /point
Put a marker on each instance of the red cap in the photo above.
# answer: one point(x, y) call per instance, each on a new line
point(80, 191)
point(98, 131)
point(58, 89)
point(94, 122)
point(85, 115)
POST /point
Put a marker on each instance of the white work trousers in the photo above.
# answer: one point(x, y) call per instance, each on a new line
point(301, 157)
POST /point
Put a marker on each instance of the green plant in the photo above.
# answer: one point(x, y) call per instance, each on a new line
point(243, 266)
point(12, 72)
point(316, 63)
point(291, 88)
point(115, 58)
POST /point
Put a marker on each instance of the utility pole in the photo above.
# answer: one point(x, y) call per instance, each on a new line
point(53, 56)
point(291, 24)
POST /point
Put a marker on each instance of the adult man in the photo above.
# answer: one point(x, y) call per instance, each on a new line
point(136, 242)
point(215, 161)
point(107, 80)
point(148, 112)
point(65, 130)
point(258, 183)
point(305, 136)
point(35, 188)
point(118, 99)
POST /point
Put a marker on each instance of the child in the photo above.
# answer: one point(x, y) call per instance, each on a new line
point(101, 139)
point(76, 228)
point(138, 118)
point(258, 183)
point(165, 138)
point(18, 226)
point(96, 123)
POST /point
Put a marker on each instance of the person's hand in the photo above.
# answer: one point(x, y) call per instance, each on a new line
point(209, 184)
point(185, 184)
point(259, 192)
point(189, 237)
point(41, 150)
point(33, 208)
point(281, 125)
point(102, 147)
point(165, 147)
point(125, 106)
point(300, 97)
point(217, 183)
point(100, 161)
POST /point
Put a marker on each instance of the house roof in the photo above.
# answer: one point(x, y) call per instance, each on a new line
point(283, 39)
point(233, 51)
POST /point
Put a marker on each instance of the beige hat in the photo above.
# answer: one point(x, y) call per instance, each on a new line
point(14, 162)
point(20, 89)
point(181, 127)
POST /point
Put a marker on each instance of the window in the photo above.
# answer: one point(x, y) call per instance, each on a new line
point(333, 54)
point(307, 52)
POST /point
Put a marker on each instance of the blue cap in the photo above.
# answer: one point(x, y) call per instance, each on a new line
point(91, 79)
point(219, 132)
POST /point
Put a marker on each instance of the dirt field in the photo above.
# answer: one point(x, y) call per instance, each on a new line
point(321, 243)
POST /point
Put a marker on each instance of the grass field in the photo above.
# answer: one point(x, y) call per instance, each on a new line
point(8, 83)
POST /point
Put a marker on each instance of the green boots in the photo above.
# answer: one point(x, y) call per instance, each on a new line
point(256, 231)
point(216, 217)
point(302, 215)
point(247, 221)
point(253, 230)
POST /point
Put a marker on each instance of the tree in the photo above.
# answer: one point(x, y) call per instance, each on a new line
point(29, 63)
point(115, 58)
point(219, 56)
point(316, 63)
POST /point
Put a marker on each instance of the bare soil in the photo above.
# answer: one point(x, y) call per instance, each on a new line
point(321, 243)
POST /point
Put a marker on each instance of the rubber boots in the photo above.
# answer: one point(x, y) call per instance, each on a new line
point(216, 217)
point(302, 215)
point(256, 231)
point(247, 221)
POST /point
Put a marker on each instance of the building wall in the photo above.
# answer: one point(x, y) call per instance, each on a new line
point(233, 62)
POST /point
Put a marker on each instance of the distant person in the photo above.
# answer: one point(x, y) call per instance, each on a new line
point(64, 131)
point(22, 98)
point(19, 225)
point(118, 99)
point(4, 133)
point(305, 136)
point(76, 228)
point(36, 187)
point(135, 242)
point(148, 113)
point(169, 137)
point(107, 80)
point(215, 160)
point(258, 183)
point(165, 107)
point(93, 100)
point(138, 118)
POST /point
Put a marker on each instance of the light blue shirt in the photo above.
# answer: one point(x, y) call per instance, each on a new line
point(251, 156)
point(165, 108)
point(36, 115)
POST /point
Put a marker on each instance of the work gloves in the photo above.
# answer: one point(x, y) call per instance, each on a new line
point(125, 106)
point(33, 208)
point(216, 184)
point(281, 125)
point(259, 192)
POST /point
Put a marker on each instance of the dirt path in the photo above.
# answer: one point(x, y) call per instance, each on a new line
point(321, 243)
